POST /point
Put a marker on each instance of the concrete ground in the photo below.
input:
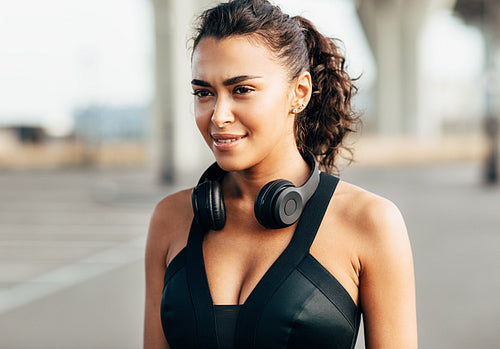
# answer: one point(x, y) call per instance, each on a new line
point(72, 244)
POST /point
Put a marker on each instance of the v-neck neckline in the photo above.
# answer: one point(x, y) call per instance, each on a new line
point(293, 241)
point(278, 272)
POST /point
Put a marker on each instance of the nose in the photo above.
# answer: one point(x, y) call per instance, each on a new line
point(222, 114)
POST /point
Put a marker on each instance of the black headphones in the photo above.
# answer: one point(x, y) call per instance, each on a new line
point(279, 203)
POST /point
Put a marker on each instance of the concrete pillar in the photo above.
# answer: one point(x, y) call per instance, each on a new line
point(486, 15)
point(491, 31)
point(381, 23)
point(178, 149)
point(392, 28)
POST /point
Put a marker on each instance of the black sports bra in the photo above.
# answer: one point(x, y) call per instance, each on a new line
point(296, 304)
point(226, 318)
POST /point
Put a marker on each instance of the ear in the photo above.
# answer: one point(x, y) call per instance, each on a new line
point(301, 93)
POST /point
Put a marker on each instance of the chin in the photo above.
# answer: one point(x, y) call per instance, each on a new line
point(232, 163)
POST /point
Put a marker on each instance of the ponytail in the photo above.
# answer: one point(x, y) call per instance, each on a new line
point(329, 117)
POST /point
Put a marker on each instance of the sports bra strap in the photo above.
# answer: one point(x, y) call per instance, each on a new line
point(199, 290)
point(291, 257)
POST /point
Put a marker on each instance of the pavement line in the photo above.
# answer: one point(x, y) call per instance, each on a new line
point(72, 274)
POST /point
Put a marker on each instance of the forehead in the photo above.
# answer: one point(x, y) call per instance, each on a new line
point(232, 56)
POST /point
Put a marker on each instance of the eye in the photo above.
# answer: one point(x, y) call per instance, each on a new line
point(202, 93)
point(241, 90)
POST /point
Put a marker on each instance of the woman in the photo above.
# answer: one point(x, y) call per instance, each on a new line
point(240, 263)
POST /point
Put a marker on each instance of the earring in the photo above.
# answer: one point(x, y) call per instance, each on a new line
point(295, 111)
point(302, 106)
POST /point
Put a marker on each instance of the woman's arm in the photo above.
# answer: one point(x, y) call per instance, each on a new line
point(387, 284)
point(156, 249)
point(169, 225)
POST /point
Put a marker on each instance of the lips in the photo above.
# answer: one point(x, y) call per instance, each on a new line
point(227, 141)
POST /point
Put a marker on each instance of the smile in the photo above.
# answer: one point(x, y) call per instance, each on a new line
point(227, 142)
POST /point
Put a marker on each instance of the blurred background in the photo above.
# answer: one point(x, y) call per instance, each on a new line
point(96, 126)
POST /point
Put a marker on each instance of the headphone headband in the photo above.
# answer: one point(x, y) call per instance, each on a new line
point(309, 187)
point(214, 172)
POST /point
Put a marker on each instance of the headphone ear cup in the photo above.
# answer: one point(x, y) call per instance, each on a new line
point(194, 204)
point(218, 209)
point(208, 205)
point(265, 208)
point(198, 198)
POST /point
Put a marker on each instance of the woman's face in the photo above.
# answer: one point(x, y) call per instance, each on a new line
point(242, 102)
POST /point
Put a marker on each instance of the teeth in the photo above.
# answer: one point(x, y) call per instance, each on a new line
point(227, 140)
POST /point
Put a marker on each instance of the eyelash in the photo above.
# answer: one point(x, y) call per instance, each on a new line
point(245, 89)
point(239, 90)
point(201, 93)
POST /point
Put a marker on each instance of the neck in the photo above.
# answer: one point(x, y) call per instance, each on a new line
point(247, 183)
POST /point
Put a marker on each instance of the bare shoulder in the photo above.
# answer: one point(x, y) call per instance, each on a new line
point(386, 275)
point(170, 222)
point(168, 229)
point(173, 209)
point(376, 220)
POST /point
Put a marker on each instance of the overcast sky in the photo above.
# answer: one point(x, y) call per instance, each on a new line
point(57, 55)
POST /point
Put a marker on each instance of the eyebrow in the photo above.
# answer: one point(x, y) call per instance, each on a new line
point(228, 82)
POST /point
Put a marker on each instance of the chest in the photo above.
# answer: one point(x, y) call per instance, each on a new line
point(296, 303)
point(236, 260)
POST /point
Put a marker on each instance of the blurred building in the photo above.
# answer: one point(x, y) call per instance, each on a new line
point(24, 134)
point(104, 123)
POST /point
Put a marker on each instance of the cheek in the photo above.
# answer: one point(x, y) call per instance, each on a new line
point(273, 110)
point(201, 113)
point(278, 100)
point(202, 119)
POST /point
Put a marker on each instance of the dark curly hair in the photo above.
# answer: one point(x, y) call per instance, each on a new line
point(295, 41)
